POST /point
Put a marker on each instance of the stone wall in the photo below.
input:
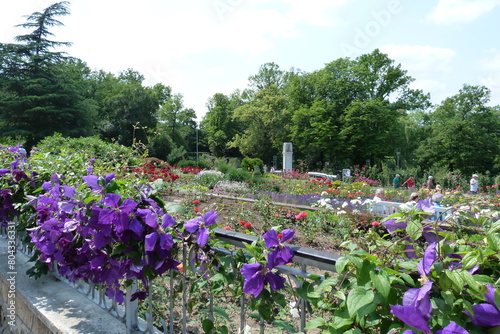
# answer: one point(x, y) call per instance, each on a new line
point(46, 305)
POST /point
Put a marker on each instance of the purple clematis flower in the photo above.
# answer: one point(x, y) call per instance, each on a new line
point(281, 254)
point(257, 275)
point(199, 225)
point(416, 308)
point(452, 328)
point(430, 256)
point(486, 314)
point(392, 226)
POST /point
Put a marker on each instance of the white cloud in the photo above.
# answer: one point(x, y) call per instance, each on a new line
point(461, 11)
point(490, 74)
point(429, 66)
point(314, 13)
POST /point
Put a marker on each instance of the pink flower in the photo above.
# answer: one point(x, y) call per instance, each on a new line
point(375, 223)
point(301, 215)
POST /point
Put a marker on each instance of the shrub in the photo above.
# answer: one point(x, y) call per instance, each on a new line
point(250, 164)
point(208, 178)
point(186, 163)
point(239, 175)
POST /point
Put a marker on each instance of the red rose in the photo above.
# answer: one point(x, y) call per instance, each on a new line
point(196, 210)
point(196, 202)
point(248, 225)
point(227, 228)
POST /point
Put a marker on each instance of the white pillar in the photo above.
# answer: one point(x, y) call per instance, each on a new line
point(287, 157)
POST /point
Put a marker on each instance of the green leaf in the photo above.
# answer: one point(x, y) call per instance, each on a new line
point(381, 283)
point(314, 277)
point(207, 325)
point(495, 227)
point(218, 277)
point(285, 325)
point(342, 319)
point(414, 229)
point(174, 207)
point(493, 241)
point(363, 273)
point(457, 282)
point(340, 264)
point(222, 313)
point(358, 298)
point(469, 260)
point(470, 281)
point(353, 331)
point(497, 298)
point(315, 323)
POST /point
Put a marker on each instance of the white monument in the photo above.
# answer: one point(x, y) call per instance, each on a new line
point(287, 157)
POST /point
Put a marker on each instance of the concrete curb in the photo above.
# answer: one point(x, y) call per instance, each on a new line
point(47, 305)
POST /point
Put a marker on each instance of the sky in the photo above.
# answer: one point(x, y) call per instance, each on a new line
point(203, 47)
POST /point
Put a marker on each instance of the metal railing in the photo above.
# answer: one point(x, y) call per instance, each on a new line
point(303, 258)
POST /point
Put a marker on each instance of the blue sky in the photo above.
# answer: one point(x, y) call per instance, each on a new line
point(203, 47)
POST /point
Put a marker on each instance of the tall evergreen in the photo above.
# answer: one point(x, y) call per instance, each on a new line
point(43, 91)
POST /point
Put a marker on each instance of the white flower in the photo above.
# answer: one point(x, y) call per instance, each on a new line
point(356, 201)
point(293, 309)
point(247, 330)
point(404, 207)
point(345, 204)
point(341, 212)
point(324, 194)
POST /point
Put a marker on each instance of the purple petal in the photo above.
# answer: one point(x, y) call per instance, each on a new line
point(392, 226)
point(275, 281)
point(254, 280)
point(419, 298)
point(136, 227)
point(490, 295)
point(210, 218)
point(46, 186)
point(412, 317)
point(271, 238)
point(100, 240)
point(166, 241)
point(167, 221)
point(69, 191)
point(280, 256)
point(150, 241)
point(452, 328)
point(112, 200)
point(287, 235)
point(249, 269)
point(192, 225)
point(202, 236)
point(109, 177)
point(91, 181)
point(148, 216)
point(426, 205)
point(485, 315)
point(128, 205)
point(106, 216)
point(430, 255)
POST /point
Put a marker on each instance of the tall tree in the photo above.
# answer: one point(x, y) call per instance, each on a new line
point(348, 111)
point(43, 93)
point(464, 133)
point(127, 109)
point(219, 125)
point(267, 120)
